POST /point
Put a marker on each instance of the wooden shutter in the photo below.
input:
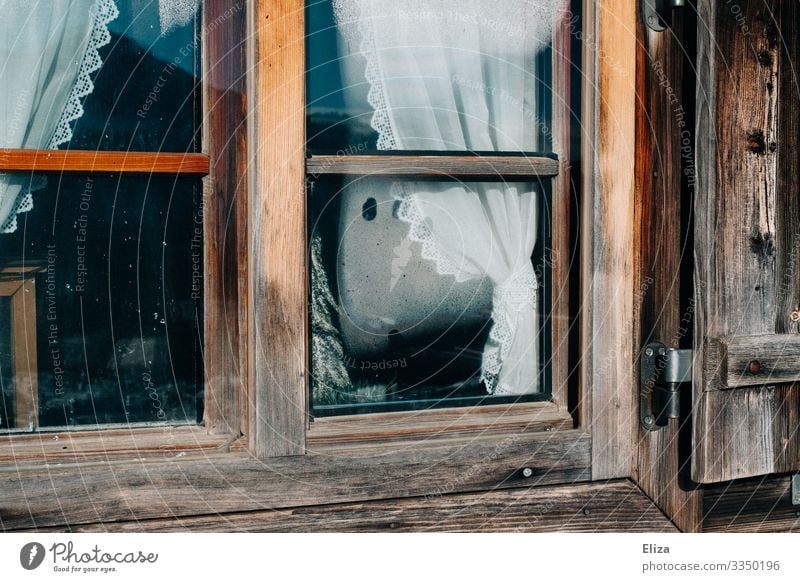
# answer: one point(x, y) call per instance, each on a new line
point(746, 396)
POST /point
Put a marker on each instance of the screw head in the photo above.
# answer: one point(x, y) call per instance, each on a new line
point(648, 419)
point(795, 315)
point(527, 472)
point(648, 352)
point(754, 367)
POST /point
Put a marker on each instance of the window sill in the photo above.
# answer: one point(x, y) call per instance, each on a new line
point(210, 481)
point(451, 422)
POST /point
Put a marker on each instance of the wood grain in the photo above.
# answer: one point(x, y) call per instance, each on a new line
point(118, 444)
point(276, 233)
point(751, 506)
point(562, 243)
point(19, 285)
point(87, 162)
point(754, 360)
point(663, 124)
point(225, 218)
point(746, 231)
point(616, 506)
point(235, 482)
point(464, 422)
point(607, 338)
point(444, 167)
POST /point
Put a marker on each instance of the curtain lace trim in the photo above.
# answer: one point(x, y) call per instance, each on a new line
point(102, 13)
point(357, 29)
point(521, 289)
point(517, 293)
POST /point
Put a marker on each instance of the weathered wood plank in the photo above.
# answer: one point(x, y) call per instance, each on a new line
point(616, 506)
point(608, 357)
point(755, 360)
point(746, 231)
point(21, 291)
point(86, 162)
point(277, 319)
point(227, 483)
point(751, 506)
point(530, 417)
point(36, 449)
point(664, 137)
point(563, 247)
point(435, 166)
point(224, 217)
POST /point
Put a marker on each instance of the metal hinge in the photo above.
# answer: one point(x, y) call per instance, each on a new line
point(663, 370)
point(657, 14)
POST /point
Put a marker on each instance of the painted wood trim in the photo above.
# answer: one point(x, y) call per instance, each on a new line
point(277, 322)
point(607, 353)
point(88, 162)
point(224, 217)
point(502, 168)
point(615, 506)
point(206, 483)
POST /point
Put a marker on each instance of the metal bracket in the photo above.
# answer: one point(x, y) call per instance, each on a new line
point(796, 489)
point(663, 370)
point(658, 13)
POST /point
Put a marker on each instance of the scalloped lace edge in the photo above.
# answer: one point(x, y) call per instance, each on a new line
point(103, 12)
point(356, 30)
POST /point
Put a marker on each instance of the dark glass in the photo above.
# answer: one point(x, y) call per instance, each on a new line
point(118, 295)
point(388, 332)
point(146, 95)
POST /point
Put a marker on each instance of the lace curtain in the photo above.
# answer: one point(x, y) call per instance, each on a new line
point(462, 75)
point(48, 52)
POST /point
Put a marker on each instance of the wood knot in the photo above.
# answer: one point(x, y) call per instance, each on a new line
point(756, 143)
point(763, 245)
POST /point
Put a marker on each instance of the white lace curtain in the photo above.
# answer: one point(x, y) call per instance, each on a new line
point(461, 75)
point(48, 52)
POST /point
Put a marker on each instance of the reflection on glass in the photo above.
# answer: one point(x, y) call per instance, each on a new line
point(395, 328)
point(146, 95)
point(101, 304)
point(99, 75)
point(430, 75)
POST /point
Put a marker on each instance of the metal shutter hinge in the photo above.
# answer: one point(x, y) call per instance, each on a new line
point(663, 370)
point(657, 14)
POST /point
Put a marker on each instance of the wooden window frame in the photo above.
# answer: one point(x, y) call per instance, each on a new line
point(222, 164)
point(278, 270)
point(252, 452)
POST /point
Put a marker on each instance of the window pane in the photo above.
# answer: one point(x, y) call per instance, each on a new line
point(102, 300)
point(397, 324)
point(146, 95)
point(88, 74)
point(430, 75)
